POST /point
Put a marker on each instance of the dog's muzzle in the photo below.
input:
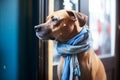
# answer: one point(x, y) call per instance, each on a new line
point(42, 32)
point(37, 28)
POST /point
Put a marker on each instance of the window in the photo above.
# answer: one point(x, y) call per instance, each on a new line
point(102, 25)
point(102, 22)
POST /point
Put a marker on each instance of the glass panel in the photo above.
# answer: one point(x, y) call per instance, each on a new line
point(102, 23)
point(66, 4)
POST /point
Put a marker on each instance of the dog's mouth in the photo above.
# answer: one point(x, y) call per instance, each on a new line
point(44, 37)
point(43, 34)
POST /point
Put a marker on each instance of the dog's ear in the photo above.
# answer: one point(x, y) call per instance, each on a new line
point(82, 18)
point(71, 14)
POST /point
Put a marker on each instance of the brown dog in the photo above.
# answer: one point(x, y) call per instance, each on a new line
point(62, 25)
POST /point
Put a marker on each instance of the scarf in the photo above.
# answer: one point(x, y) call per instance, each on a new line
point(77, 45)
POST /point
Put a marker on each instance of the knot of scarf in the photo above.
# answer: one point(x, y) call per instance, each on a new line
point(77, 45)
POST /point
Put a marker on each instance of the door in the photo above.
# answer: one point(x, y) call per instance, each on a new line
point(104, 26)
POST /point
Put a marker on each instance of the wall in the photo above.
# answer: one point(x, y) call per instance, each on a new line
point(8, 39)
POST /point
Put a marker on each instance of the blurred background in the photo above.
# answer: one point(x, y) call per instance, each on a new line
point(18, 43)
point(24, 57)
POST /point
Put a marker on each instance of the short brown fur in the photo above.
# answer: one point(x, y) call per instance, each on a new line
point(62, 25)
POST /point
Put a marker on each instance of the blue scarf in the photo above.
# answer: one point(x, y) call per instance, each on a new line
point(79, 44)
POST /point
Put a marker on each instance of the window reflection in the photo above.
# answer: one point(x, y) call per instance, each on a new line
point(71, 4)
point(102, 24)
point(66, 4)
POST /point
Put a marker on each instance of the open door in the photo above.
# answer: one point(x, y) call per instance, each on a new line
point(102, 22)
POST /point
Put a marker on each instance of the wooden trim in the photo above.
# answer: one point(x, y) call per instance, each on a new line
point(50, 47)
point(41, 62)
point(43, 45)
point(107, 62)
point(41, 67)
point(50, 60)
point(117, 49)
point(51, 6)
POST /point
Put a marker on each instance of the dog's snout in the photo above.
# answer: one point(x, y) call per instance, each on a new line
point(37, 28)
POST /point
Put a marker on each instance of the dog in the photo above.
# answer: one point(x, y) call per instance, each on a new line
point(62, 25)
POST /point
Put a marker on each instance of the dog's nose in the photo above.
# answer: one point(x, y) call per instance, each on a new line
point(37, 28)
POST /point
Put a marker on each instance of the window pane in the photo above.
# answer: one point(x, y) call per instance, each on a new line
point(102, 25)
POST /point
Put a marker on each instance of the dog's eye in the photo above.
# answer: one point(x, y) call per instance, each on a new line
point(54, 19)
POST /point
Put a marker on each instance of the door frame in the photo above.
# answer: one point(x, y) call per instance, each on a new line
point(44, 53)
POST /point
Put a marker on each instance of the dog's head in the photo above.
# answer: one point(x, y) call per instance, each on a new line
point(61, 25)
